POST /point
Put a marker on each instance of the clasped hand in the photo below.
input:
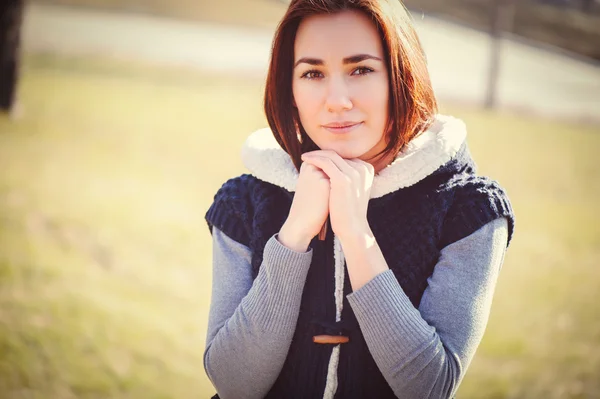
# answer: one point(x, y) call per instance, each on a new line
point(328, 185)
point(350, 182)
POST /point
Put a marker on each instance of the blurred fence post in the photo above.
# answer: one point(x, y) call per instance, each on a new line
point(11, 18)
point(586, 5)
point(502, 18)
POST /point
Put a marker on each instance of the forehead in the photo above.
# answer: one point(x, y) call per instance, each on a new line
point(335, 36)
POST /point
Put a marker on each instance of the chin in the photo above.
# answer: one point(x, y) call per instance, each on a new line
point(343, 152)
point(346, 151)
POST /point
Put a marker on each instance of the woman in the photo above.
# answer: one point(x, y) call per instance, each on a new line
point(359, 258)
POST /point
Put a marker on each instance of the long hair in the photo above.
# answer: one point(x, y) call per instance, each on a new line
point(412, 104)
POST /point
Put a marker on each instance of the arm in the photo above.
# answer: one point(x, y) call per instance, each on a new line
point(424, 353)
point(251, 324)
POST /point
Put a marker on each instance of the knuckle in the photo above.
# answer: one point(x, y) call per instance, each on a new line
point(306, 167)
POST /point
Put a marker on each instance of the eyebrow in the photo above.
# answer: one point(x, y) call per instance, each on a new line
point(353, 59)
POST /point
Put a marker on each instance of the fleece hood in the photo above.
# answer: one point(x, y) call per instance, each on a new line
point(267, 161)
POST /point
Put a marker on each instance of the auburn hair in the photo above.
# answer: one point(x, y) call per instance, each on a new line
point(412, 104)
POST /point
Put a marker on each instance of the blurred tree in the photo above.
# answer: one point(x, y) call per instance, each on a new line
point(502, 18)
point(11, 17)
point(586, 5)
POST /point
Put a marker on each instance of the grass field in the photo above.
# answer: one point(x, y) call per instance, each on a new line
point(247, 13)
point(105, 261)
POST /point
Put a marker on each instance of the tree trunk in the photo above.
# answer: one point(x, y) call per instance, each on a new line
point(11, 17)
point(586, 5)
point(501, 20)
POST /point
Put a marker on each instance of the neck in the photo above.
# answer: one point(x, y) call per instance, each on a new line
point(381, 162)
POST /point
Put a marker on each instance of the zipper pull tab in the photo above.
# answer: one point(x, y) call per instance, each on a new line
point(323, 232)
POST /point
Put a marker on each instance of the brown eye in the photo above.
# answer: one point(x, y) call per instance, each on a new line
point(362, 71)
point(310, 75)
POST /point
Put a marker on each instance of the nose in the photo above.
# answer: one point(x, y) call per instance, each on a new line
point(338, 95)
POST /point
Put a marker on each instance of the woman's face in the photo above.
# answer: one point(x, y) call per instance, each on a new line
point(340, 83)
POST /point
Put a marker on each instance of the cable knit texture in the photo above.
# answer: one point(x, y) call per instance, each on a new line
point(429, 197)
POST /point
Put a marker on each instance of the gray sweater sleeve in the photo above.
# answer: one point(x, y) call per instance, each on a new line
point(422, 353)
point(425, 353)
point(251, 324)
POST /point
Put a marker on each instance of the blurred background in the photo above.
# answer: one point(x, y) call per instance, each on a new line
point(122, 118)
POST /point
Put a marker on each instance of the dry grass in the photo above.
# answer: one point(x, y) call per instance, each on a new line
point(249, 13)
point(105, 260)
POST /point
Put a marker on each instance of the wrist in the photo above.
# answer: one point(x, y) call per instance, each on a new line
point(357, 236)
point(292, 239)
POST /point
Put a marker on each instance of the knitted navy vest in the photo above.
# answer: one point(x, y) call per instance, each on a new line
point(411, 225)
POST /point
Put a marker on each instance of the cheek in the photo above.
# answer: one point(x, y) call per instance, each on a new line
point(306, 99)
point(375, 102)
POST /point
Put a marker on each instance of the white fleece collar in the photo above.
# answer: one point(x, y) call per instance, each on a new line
point(267, 161)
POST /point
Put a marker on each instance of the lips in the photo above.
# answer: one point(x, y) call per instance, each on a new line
point(342, 127)
point(340, 124)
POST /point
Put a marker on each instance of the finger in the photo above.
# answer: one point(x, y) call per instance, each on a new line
point(335, 158)
point(327, 166)
point(365, 171)
point(307, 168)
point(364, 168)
point(303, 167)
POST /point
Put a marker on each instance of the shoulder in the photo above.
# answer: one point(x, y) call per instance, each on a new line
point(472, 202)
point(231, 208)
point(236, 187)
point(238, 201)
point(466, 188)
